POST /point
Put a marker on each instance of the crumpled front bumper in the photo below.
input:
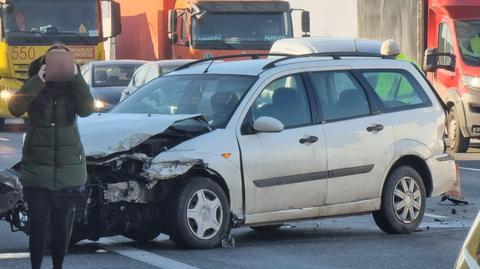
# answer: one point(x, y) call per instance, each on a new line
point(10, 190)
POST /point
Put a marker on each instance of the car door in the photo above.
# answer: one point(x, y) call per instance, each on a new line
point(359, 142)
point(443, 79)
point(283, 170)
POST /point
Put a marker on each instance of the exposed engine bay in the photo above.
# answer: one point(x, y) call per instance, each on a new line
point(126, 190)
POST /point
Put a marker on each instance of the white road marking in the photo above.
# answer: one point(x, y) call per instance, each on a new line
point(470, 169)
point(4, 139)
point(435, 216)
point(143, 256)
point(20, 255)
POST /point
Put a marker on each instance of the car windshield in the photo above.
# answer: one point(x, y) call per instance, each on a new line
point(113, 75)
point(468, 35)
point(214, 96)
point(52, 17)
point(222, 30)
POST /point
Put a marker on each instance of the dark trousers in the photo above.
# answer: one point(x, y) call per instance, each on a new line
point(51, 217)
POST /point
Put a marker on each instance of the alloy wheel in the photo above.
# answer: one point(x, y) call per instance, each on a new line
point(407, 200)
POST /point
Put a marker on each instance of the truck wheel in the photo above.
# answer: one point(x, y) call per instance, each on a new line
point(266, 228)
point(403, 202)
point(458, 143)
point(200, 214)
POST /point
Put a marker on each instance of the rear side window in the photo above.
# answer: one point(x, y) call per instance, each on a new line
point(396, 89)
point(340, 96)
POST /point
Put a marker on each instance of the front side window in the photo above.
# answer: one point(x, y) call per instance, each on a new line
point(284, 99)
point(339, 95)
point(444, 43)
point(396, 89)
point(214, 96)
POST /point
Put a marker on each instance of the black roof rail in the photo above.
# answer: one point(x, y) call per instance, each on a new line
point(334, 55)
point(251, 55)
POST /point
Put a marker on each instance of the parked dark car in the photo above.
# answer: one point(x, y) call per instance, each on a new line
point(107, 80)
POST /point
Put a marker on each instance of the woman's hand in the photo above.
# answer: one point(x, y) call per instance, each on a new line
point(41, 73)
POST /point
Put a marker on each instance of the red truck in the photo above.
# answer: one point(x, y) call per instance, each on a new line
point(444, 36)
point(186, 29)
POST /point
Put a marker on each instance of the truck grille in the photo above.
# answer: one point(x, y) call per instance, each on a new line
point(21, 71)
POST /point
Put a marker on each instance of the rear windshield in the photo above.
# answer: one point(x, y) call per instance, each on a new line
point(113, 75)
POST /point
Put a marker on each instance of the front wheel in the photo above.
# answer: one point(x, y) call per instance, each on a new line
point(200, 214)
point(403, 202)
point(458, 143)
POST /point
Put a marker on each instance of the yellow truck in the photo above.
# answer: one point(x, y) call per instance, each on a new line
point(29, 27)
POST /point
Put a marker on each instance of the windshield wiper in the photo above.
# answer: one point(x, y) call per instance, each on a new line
point(43, 35)
point(222, 43)
point(79, 36)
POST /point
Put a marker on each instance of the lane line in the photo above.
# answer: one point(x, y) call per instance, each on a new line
point(142, 255)
point(470, 169)
point(435, 216)
point(20, 255)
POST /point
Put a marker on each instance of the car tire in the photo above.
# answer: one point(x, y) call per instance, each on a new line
point(266, 228)
point(200, 214)
point(403, 204)
point(141, 236)
point(458, 143)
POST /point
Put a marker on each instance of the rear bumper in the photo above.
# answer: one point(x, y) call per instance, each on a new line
point(444, 173)
point(10, 190)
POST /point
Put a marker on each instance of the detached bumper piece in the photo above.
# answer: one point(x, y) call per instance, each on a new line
point(10, 190)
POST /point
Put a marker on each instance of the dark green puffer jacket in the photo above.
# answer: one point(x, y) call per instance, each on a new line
point(53, 156)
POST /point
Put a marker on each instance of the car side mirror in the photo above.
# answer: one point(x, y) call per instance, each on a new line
point(268, 125)
point(434, 60)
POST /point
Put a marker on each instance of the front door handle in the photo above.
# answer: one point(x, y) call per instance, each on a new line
point(375, 128)
point(311, 139)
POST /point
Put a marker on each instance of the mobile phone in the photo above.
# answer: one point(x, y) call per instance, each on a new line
point(59, 66)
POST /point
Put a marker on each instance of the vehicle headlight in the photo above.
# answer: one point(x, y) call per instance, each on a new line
point(6, 95)
point(100, 105)
point(471, 82)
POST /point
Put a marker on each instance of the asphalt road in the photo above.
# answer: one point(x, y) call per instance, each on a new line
point(352, 242)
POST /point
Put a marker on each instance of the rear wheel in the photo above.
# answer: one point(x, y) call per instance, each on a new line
point(403, 202)
point(200, 214)
point(458, 143)
point(266, 228)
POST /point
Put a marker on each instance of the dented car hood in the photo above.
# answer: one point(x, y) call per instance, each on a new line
point(105, 134)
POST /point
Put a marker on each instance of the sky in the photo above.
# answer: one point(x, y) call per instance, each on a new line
point(327, 17)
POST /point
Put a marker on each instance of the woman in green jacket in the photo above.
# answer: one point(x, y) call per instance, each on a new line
point(53, 167)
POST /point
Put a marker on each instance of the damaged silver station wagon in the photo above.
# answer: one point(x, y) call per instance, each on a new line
point(219, 145)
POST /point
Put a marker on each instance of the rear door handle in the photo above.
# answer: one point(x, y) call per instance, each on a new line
point(311, 139)
point(375, 128)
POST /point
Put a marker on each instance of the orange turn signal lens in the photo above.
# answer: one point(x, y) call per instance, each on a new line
point(226, 155)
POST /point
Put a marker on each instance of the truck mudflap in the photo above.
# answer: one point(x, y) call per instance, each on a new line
point(10, 190)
